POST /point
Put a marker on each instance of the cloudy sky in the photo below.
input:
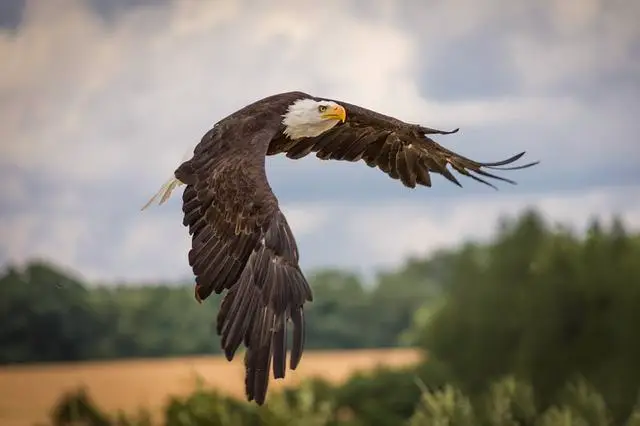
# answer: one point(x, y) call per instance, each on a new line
point(101, 99)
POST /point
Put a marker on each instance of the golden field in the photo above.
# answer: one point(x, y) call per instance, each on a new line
point(27, 393)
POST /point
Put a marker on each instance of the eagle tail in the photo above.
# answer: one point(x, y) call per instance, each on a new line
point(165, 192)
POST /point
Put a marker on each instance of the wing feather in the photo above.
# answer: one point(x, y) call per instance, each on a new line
point(401, 150)
point(422, 172)
point(241, 242)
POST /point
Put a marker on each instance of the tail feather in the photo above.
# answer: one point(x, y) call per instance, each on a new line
point(165, 192)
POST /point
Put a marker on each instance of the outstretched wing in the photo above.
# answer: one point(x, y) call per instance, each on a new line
point(401, 150)
point(241, 241)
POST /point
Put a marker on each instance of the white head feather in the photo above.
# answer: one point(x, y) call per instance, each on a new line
point(307, 118)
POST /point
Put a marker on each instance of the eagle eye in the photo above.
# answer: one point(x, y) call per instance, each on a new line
point(322, 108)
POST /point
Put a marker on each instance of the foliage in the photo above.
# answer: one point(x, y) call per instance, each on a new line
point(78, 408)
point(511, 402)
point(304, 405)
point(380, 397)
point(42, 323)
point(508, 402)
point(208, 408)
point(546, 306)
point(444, 407)
point(48, 316)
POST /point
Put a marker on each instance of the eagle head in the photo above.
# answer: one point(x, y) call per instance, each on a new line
point(307, 118)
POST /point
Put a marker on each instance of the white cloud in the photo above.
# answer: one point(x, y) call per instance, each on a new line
point(29, 237)
point(89, 100)
point(357, 236)
point(583, 38)
point(385, 234)
point(306, 219)
point(14, 189)
point(154, 247)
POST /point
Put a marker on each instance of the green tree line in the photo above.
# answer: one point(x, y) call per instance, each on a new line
point(506, 402)
point(48, 315)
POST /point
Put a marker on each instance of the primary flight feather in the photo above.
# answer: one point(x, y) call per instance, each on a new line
point(241, 241)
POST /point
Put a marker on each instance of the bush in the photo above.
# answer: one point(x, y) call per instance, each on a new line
point(507, 402)
point(444, 407)
point(77, 408)
point(208, 408)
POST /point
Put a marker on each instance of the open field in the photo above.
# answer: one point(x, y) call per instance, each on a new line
point(28, 392)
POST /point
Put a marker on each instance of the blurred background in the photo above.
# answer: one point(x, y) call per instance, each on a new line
point(517, 306)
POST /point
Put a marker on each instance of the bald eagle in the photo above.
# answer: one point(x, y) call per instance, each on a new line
point(240, 239)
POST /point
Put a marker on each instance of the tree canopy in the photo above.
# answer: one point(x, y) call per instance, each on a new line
point(48, 316)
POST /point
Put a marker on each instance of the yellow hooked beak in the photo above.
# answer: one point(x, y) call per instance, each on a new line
point(335, 113)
